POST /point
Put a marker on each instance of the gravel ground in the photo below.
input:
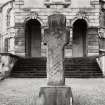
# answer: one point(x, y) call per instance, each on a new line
point(17, 91)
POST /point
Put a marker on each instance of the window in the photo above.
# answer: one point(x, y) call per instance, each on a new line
point(8, 17)
point(8, 20)
point(9, 44)
point(57, 1)
point(6, 45)
point(66, 3)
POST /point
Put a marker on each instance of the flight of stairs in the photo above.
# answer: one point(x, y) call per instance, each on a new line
point(82, 67)
point(30, 68)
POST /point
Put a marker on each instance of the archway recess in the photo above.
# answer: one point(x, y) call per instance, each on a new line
point(33, 38)
point(79, 47)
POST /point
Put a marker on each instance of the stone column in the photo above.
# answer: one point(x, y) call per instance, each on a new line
point(71, 35)
point(56, 93)
point(56, 39)
point(55, 71)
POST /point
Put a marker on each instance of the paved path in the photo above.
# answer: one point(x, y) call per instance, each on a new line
point(25, 91)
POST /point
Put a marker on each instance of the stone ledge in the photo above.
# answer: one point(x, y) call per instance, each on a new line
point(65, 4)
point(7, 62)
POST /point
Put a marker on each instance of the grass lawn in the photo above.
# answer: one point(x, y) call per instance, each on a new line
point(24, 91)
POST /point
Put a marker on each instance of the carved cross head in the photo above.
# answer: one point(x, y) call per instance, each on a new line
point(57, 22)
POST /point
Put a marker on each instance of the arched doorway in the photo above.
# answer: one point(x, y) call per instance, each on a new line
point(79, 38)
point(33, 38)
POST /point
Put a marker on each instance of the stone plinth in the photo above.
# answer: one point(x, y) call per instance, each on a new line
point(56, 95)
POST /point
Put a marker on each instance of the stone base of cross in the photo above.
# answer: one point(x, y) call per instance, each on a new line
point(56, 93)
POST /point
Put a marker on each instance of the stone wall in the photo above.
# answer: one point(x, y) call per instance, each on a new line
point(7, 26)
point(20, 14)
point(93, 41)
point(90, 14)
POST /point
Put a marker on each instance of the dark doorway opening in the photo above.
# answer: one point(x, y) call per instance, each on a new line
point(33, 38)
point(79, 38)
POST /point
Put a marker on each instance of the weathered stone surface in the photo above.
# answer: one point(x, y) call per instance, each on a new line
point(93, 41)
point(56, 39)
point(55, 59)
point(101, 62)
point(56, 96)
point(21, 14)
point(6, 64)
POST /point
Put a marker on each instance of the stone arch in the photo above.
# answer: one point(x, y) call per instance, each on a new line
point(79, 17)
point(33, 38)
point(79, 38)
point(33, 15)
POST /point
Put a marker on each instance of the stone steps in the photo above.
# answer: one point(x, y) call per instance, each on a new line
point(82, 67)
point(30, 68)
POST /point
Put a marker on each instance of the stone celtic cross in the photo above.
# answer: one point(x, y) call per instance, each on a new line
point(56, 39)
point(56, 93)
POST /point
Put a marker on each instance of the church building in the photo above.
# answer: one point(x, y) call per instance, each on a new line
point(23, 25)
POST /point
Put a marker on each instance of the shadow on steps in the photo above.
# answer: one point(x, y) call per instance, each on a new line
point(80, 67)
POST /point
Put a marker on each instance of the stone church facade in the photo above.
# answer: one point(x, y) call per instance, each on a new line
point(22, 28)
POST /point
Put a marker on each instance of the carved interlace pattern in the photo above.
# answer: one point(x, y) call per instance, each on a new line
point(55, 57)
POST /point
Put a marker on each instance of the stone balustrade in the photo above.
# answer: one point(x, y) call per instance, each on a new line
point(7, 62)
point(101, 62)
